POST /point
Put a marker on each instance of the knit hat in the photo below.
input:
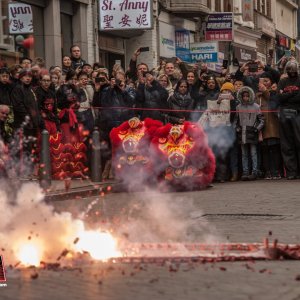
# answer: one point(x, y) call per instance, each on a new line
point(25, 72)
point(227, 86)
point(267, 75)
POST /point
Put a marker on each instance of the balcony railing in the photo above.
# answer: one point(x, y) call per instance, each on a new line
point(192, 7)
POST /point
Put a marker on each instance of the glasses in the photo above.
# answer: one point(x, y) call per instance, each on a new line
point(46, 80)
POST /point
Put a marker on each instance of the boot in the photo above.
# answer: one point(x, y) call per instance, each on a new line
point(235, 177)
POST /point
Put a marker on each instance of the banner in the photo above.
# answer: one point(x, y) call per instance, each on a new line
point(219, 27)
point(20, 18)
point(182, 39)
point(125, 14)
point(166, 40)
point(248, 10)
point(206, 52)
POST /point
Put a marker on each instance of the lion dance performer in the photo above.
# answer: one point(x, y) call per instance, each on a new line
point(130, 150)
point(184, 159)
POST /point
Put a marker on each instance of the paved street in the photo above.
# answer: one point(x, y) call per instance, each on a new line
point(234, 212)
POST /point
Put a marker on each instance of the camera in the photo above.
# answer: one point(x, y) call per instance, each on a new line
point(99, 79)
point(253, 67)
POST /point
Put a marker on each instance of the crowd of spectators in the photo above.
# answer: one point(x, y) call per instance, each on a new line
point(258, 138)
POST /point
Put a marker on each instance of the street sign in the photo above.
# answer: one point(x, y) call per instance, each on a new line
point(219, 27)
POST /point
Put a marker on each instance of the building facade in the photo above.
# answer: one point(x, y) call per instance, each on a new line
point(57, 24)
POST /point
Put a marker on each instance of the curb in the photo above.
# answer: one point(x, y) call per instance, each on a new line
point(79, 192)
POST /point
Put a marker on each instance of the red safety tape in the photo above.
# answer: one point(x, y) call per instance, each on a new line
point(180, 110)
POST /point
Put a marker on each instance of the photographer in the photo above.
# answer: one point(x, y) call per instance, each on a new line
point(151, 95)
point(250, 71)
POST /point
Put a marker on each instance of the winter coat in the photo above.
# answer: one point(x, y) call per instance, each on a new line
point(154, 97)
point(266, 102)
point(113, 97)
point(249, 119)
point(25, 103)
point(290, 98)
point(5, 92)
point(180, 102)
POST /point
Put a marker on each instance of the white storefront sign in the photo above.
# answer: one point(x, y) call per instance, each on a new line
point(20, 18)
point(167, 40)
point(125, 14)
point(204, 51)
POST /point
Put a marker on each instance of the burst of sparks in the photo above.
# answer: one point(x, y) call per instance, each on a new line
point(30, 254)
point(100, 245)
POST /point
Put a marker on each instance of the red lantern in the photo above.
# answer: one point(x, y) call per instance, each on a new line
point(29, 42)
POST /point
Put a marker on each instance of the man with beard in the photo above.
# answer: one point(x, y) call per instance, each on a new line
point(289, 103)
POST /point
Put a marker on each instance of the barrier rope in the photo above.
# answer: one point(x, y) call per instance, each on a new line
point(178, 110)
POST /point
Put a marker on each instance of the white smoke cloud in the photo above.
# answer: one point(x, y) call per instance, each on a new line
point(30, 220)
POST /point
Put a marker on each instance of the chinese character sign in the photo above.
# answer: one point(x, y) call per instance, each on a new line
point(20, 18)
point(125, 14)
point(219, 27)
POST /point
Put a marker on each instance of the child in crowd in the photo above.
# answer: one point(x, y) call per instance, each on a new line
point(248, 122)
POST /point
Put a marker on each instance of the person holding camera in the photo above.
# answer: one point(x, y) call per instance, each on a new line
point(250, 71)
point(151, 97)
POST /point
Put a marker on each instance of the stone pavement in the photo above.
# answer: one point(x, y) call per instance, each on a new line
point(235, 212)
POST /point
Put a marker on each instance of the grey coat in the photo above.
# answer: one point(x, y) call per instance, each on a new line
point(249, 119)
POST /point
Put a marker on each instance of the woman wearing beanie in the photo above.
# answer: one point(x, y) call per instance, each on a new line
point(217, 122)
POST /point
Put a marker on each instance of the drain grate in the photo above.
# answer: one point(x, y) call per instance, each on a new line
point(246, 216)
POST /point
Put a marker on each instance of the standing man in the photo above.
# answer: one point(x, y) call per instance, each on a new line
point(289, 102)
point(77, 61)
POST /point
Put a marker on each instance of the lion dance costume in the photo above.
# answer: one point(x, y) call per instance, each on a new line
point(176, 154)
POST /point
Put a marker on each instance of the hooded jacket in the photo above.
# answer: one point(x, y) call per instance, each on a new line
point(249, 119)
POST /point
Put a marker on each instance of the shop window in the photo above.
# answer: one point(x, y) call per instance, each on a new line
point(218, 5)
point(228, 5)
point(66, 33)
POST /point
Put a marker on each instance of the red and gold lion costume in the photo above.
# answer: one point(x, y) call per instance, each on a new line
point(183, 156)
point(130, 149)
point(179, 154)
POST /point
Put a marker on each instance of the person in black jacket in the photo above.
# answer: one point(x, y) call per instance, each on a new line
point(180, 100)
point(5, 87)
point(27, 120)
point(289, 103)
point(152, 97)
point(45, 95)
point(25, 103)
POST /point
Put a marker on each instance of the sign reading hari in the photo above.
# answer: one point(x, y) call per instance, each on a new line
point(125, 14)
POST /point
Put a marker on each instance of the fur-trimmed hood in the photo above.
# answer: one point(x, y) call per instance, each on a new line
point(251, 94)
